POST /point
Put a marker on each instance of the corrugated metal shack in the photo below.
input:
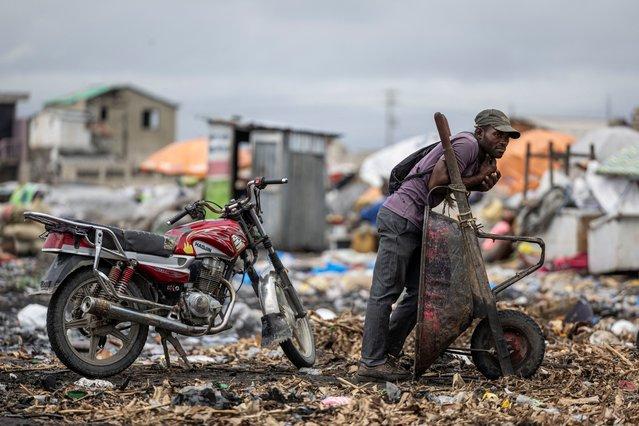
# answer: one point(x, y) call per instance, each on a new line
point(294, 214)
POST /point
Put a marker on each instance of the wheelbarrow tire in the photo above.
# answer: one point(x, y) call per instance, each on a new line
point(525, 340)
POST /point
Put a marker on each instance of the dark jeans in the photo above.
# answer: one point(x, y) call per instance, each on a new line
point(397, 266)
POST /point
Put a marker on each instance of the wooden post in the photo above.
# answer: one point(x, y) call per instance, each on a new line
point(526, 170)
point(550, 164)
point(567, 161)
point(592, 151)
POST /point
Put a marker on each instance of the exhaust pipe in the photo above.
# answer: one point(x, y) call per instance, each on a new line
point(101, 307)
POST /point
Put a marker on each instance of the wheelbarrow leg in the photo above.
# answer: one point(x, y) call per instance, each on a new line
point(503, 354)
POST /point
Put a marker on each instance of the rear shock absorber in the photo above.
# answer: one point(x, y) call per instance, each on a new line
point(114, 275)
point(123, 282)
point(115, 272)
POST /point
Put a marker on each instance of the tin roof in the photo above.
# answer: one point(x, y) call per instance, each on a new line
point(13, 97)
point(268, 125)
point(95, 91)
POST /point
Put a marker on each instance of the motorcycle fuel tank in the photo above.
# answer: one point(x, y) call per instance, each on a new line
point(218, 236)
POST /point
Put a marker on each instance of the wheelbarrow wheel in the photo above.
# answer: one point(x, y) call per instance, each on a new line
point(525, 342)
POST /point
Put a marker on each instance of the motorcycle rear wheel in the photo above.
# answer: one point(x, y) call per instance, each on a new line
point(112, 346)
point(300, 350)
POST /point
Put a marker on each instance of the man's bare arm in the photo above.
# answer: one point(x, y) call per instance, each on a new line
point(439, 177)
point(486, 177)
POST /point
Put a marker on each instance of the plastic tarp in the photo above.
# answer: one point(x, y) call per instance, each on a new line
point(377, 166)
point(615, 195)
point(187, 157)
point(625, 163)
point(607, 141)
point(512, 164)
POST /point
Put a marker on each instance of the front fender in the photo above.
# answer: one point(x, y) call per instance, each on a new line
point(63, 266)
point(268, 295)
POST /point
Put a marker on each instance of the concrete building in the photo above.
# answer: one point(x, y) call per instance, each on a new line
point(101, 133)
point(12, 137)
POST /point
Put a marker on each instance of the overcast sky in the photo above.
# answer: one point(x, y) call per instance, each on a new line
point(326, 64)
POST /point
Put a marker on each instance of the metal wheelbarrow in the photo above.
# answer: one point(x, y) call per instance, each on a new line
point(454, 291)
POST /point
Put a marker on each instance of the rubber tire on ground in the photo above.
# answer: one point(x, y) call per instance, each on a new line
point(59, 344)
point(291, 352)
point(299, 360)
point(511, 320)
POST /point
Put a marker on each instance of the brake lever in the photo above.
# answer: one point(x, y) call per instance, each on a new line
point(258, 204)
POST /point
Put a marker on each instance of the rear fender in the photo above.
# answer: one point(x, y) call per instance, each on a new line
point(63, 266)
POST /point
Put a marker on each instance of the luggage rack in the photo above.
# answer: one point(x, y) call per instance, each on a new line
point(52, 224)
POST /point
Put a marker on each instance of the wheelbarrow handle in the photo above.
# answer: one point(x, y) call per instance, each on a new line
point(521, 274)
point(456, 183)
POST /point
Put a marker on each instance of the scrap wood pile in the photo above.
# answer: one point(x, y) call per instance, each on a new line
point(241, 384)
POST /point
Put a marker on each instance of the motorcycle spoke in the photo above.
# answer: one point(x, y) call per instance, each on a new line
point(119, 335)
point(77, 323)
point(93, 346)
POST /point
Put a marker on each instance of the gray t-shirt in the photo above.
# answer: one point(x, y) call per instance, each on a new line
point(410, 199)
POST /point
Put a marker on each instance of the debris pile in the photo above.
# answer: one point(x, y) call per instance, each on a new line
point(578, 382)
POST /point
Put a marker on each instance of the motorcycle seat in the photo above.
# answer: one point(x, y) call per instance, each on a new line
point(137, 241)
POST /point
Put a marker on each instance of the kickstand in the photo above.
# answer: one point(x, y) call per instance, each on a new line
point(168, 336)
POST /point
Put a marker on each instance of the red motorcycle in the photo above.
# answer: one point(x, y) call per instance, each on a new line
point(109, 285)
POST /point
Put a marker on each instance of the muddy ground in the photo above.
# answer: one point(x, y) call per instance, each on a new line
point(577, 383)
point(588, 375)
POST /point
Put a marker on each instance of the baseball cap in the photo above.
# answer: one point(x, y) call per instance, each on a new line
point(498, 120)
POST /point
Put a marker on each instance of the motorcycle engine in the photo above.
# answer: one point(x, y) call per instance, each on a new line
point(206, 298)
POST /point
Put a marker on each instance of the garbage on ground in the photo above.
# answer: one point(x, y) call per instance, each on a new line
point(624, 327)
point(33, 316)
point(93, 384)
point(326, 314)
point(335, 401)
point(581, 312)
point(256, 389)
point(603, 337)
point(393, 392)
point(207, 395)
point(310, 371)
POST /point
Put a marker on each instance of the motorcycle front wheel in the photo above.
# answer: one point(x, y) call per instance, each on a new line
point(300, 349)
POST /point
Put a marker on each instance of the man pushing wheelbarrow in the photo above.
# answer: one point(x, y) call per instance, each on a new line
point(437, 261)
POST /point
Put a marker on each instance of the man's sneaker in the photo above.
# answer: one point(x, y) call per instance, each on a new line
point(385, 372)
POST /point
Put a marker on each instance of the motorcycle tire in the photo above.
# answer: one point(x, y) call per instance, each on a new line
point(525, 341)
point(69, 355)
point(301, 354)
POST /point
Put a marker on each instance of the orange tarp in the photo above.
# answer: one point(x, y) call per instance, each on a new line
point(188, 157)
point(511, 165)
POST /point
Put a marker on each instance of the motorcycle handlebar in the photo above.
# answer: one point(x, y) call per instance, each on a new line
point(275, 181)
point(262, 182)
point(177, 217)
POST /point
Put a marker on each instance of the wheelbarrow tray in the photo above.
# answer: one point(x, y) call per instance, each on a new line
point(445, 307)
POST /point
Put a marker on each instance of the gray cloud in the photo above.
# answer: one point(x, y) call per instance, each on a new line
point(327, 64)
